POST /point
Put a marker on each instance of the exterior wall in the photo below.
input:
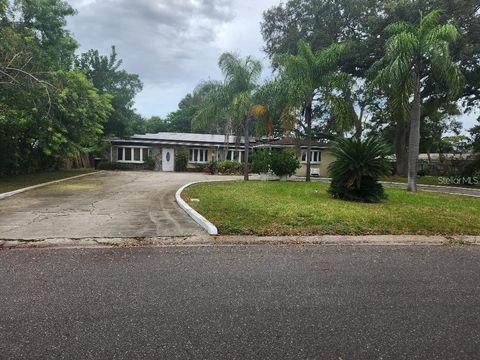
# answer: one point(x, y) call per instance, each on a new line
point(326, 159)
point(156, 153)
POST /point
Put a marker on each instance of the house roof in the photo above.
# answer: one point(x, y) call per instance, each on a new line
point(190, 138)
point(294, 142)
point(212, 139)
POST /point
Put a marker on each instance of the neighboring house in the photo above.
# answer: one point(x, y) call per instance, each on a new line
point(204, 148)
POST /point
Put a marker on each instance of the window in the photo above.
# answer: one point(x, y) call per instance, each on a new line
point(315, 156)
point(198, 155)
point(236, 155)
point(132, 154)
point(128, 154)
point(136, 154)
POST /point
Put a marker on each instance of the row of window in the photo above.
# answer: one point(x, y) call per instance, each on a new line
point(315, 156)
point(139, 154)
point(198, 156)
point(236, 155)
point(132, 154)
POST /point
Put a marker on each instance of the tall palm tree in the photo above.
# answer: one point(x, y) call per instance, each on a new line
point(306, 73)
point(414, 56)
point(231, 102)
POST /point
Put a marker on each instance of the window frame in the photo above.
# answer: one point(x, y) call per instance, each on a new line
point(314, 154)
point(237, 155)
point(132, 154)
point(197, 153)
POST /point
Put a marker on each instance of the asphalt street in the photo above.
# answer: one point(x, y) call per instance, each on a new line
point(241, 302)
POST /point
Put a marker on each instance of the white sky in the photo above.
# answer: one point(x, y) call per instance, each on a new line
point(174, 44)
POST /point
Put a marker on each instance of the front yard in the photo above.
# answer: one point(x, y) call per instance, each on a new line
point(294, 208)
point(20, 181)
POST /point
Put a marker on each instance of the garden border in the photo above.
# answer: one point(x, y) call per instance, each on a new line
point(195, 215)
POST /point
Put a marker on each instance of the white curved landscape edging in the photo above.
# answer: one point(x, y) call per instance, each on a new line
point(199, 219)
point(18, 191)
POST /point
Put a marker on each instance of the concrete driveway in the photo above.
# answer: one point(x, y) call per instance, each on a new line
point(107, 204)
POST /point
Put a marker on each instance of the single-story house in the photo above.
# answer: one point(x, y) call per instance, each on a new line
point(204, 148)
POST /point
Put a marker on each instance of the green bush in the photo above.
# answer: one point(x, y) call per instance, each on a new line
point(181, 159)
point(229, 167)
point(150, 163)
point(261, 159)
point(284, 162)
point(211, 167)
point(357, 167)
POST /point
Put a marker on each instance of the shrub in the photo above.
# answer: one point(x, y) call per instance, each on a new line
point(357, 167)
point(150, 163)
point(284, 162)
point(229, 167)
point(181, 159)
point(261, 159)
point(211, 167)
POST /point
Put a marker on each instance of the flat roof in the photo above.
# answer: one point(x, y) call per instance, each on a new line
point(191, 138)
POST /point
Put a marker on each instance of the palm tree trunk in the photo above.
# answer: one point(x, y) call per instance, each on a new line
point(359, 125)
point(308, 119)
point(414, 139)
point(247, 147)
point(401, 153)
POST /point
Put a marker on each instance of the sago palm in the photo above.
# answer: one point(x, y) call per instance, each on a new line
point(356, 169)
point(415, 55)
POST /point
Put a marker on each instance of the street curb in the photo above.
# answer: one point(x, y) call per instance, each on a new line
point(18, 191)
point(199, 219)
point(239, 240)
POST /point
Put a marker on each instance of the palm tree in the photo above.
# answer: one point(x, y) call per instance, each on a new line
point(416, 55)
point(231, 102)
point(306, 73)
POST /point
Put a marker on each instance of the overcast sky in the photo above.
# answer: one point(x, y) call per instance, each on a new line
point(173, 44)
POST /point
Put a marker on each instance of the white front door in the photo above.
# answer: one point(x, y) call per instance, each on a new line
point(168, 159)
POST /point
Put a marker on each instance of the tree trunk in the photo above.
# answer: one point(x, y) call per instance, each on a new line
point(308, 119)
point(247, 147)
point(401, 154)
point(414, 139)
point(359, 125)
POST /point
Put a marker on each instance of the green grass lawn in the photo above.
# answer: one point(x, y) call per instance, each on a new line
point(428, 180)
point(20, 181)
point(295, 208)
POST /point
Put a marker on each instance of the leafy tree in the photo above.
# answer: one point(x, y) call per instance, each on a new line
point(106, 75)
point(231, 102)
point(308, 75)
point(415, 57)
point(47, 111)
point(284, 162)
point(79, 113)
point(261, 160)
point(155, 124)
point(362, 24)
point(356, 169)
